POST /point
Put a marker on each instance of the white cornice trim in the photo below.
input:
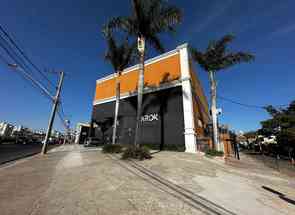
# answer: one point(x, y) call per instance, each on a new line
point(183, 46)
point(147, 62)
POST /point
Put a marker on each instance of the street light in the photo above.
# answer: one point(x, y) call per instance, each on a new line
point(27, 75)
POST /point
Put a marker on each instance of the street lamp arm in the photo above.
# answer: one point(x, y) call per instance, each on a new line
point(35, 82)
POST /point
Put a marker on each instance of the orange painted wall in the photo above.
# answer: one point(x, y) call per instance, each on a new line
point(200, 104)
point(105, 89)
point(153, 75)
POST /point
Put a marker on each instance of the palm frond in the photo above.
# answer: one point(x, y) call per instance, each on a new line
point(235, 58)
point(119, 55)
point(137, 9)
point(221, 44)
point(154, 6)
point(121, 22)
point(200, 58)
point(211, 45)
point(128, 53)
point(155, 42)
point(112, 47)
point(225, 40)
point(148, 19)
point(215, 57)
point(167, 18)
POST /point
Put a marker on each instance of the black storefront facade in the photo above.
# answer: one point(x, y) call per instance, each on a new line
point(161, 121)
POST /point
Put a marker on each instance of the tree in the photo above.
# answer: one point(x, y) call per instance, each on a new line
point(281, 124)
point(148, 19)
point(214, 59)
point(119, 56)
point(104, 125)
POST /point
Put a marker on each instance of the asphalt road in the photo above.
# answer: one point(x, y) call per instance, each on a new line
point(10, 152)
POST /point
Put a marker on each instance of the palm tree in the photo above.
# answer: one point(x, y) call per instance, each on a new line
point(120, 56)
point(149, 18)
point(161, 99)
point(105, 124)
point(214, 59)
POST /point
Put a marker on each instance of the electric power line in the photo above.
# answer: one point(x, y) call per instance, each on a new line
point(63, 120)
point(25, 56)
point(61, 112)
point(61, 108)
point(6, 44)
point(22, 67)
point(24, 71)
point(247, 105)
point(34, 86)
point(239, 103)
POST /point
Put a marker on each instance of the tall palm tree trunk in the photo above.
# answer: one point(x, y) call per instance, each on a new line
point(213, 110)
point(116, 108)
point(139, 98)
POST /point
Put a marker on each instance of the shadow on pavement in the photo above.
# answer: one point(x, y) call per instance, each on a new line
point(291, 201)
point(196, 201)
point(281, 195)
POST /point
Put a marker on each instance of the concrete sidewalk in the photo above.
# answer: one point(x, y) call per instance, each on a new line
point(75, 180)
point(243, 189)
point(73, 148)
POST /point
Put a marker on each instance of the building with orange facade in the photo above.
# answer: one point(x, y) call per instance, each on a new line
point(175, 109)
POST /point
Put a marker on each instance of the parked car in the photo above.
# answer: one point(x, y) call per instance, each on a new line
point(93, 141)
point(22, 140)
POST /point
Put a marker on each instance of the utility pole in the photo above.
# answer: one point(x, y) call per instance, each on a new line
point(53, 112)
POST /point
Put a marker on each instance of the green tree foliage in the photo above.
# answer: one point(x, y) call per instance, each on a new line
point(281, 124)
point(138, 153)
point(120, 55)
point(148, 19)
point(217, 58)
point(112, 149)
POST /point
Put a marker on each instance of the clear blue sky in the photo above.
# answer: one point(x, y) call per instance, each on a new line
point(66, 35)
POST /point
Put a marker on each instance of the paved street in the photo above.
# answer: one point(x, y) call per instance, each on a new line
point(14, 151)
point(74, 180)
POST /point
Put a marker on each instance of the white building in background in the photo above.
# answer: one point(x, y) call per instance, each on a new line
point(17, 130)
point(21, 131)
point(6, 129)
point(82, 131)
